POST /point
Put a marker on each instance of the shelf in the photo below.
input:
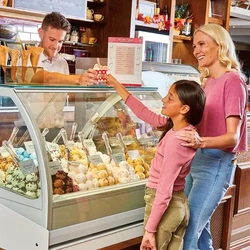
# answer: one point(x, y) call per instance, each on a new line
point(71, 44)
point(96, 2)
point(21, 14)
point(215, 20)
point(181, 38)
point(31, 15)
point(147, 25)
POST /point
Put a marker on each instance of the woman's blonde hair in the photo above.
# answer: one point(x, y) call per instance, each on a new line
point(226, 52)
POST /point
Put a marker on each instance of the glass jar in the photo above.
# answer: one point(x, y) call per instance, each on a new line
point(74, 36)
point(84, 37)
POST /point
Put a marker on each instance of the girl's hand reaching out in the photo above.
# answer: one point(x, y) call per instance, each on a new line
point(112, 82)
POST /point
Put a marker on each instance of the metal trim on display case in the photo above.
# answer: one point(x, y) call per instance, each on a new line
point(104, 225)
point(83, 89)
point(170, 68)
point(104, 239)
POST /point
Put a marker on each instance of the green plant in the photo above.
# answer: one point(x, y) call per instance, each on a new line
point(181, 10)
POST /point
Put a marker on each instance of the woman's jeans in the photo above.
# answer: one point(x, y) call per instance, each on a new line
point(211, 174)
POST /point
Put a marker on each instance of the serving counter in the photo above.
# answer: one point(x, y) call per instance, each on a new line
point(73, 166)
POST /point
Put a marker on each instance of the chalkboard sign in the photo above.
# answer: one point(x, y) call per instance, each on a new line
point(73, 8)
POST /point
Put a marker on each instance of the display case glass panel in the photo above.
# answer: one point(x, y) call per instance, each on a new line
point(97, 152)
point(19, 169)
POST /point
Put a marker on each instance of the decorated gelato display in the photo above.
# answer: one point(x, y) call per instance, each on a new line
point(111, 149)
point(84, 168)
point(114, 153)
point(72, 159)
point(19, 172)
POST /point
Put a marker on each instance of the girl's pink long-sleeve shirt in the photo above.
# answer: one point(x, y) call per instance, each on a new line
point(169, 167)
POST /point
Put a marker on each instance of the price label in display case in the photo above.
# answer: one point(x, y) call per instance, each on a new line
point(118, 157)
point(95, 159)
point(27, 167)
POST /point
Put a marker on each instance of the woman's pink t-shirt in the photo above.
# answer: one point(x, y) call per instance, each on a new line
point(225, 96)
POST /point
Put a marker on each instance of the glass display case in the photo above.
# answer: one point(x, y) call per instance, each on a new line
point(162, 75)
point(73, 166)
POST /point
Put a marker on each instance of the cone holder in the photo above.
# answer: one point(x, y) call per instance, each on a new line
point(17, 74)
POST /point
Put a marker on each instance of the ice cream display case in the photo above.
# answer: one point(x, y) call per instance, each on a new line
point(73, 166)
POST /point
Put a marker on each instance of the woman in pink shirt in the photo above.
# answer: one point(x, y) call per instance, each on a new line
point(166, 212)
point(222, 131)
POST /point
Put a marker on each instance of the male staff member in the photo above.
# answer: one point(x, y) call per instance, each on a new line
point(56, 71)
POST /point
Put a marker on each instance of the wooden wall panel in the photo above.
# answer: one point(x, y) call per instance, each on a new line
point(184, 51)
point(242, 182)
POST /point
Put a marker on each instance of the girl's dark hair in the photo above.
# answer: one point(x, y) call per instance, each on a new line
point(57, 21)
point(190, 93)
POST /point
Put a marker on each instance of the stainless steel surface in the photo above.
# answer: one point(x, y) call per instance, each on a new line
point(170, 68)
point(7, 31)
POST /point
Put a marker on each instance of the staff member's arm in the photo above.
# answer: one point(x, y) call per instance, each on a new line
point(54, 78)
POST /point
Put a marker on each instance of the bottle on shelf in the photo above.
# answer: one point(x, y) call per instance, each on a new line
point(186, 30)
point(157, 8)
point(165, 12)
point(149, 53)
point(137, 10)
point(84, 37)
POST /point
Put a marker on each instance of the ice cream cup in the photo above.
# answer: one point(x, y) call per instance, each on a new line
point(100, 73)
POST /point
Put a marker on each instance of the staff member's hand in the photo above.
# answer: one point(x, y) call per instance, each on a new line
point(88, 78)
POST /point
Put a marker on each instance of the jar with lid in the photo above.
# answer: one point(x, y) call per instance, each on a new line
point(187, 28)
point(67, 37)
point(74, 36)
point(84, 37)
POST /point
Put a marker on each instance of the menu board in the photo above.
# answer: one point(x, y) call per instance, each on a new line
point(74, 8)
point(125, 59)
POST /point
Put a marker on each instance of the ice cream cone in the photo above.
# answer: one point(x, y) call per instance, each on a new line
point(35, 54)
point(25, 58)
point(3, 56)
point(14, 55)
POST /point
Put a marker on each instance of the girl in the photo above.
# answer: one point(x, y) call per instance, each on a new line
point(166, 212)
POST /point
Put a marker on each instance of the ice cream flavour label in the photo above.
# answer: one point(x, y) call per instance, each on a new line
point(95, 159)
point(27, 167)
point(53, 147)
point(133, 154)
point(55, 166)
point(71, 144)
point(89, 143)
point(118, 157)
point(4, 152)
point(29, 146)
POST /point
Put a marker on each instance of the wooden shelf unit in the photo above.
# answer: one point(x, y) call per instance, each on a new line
point(206, 11)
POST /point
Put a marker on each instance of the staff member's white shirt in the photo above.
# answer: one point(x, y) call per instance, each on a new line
point(47, 108)
point(58, 64)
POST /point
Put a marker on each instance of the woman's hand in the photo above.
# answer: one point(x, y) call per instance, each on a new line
point(148, 241)
point(88, 78)
point(191, 138)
